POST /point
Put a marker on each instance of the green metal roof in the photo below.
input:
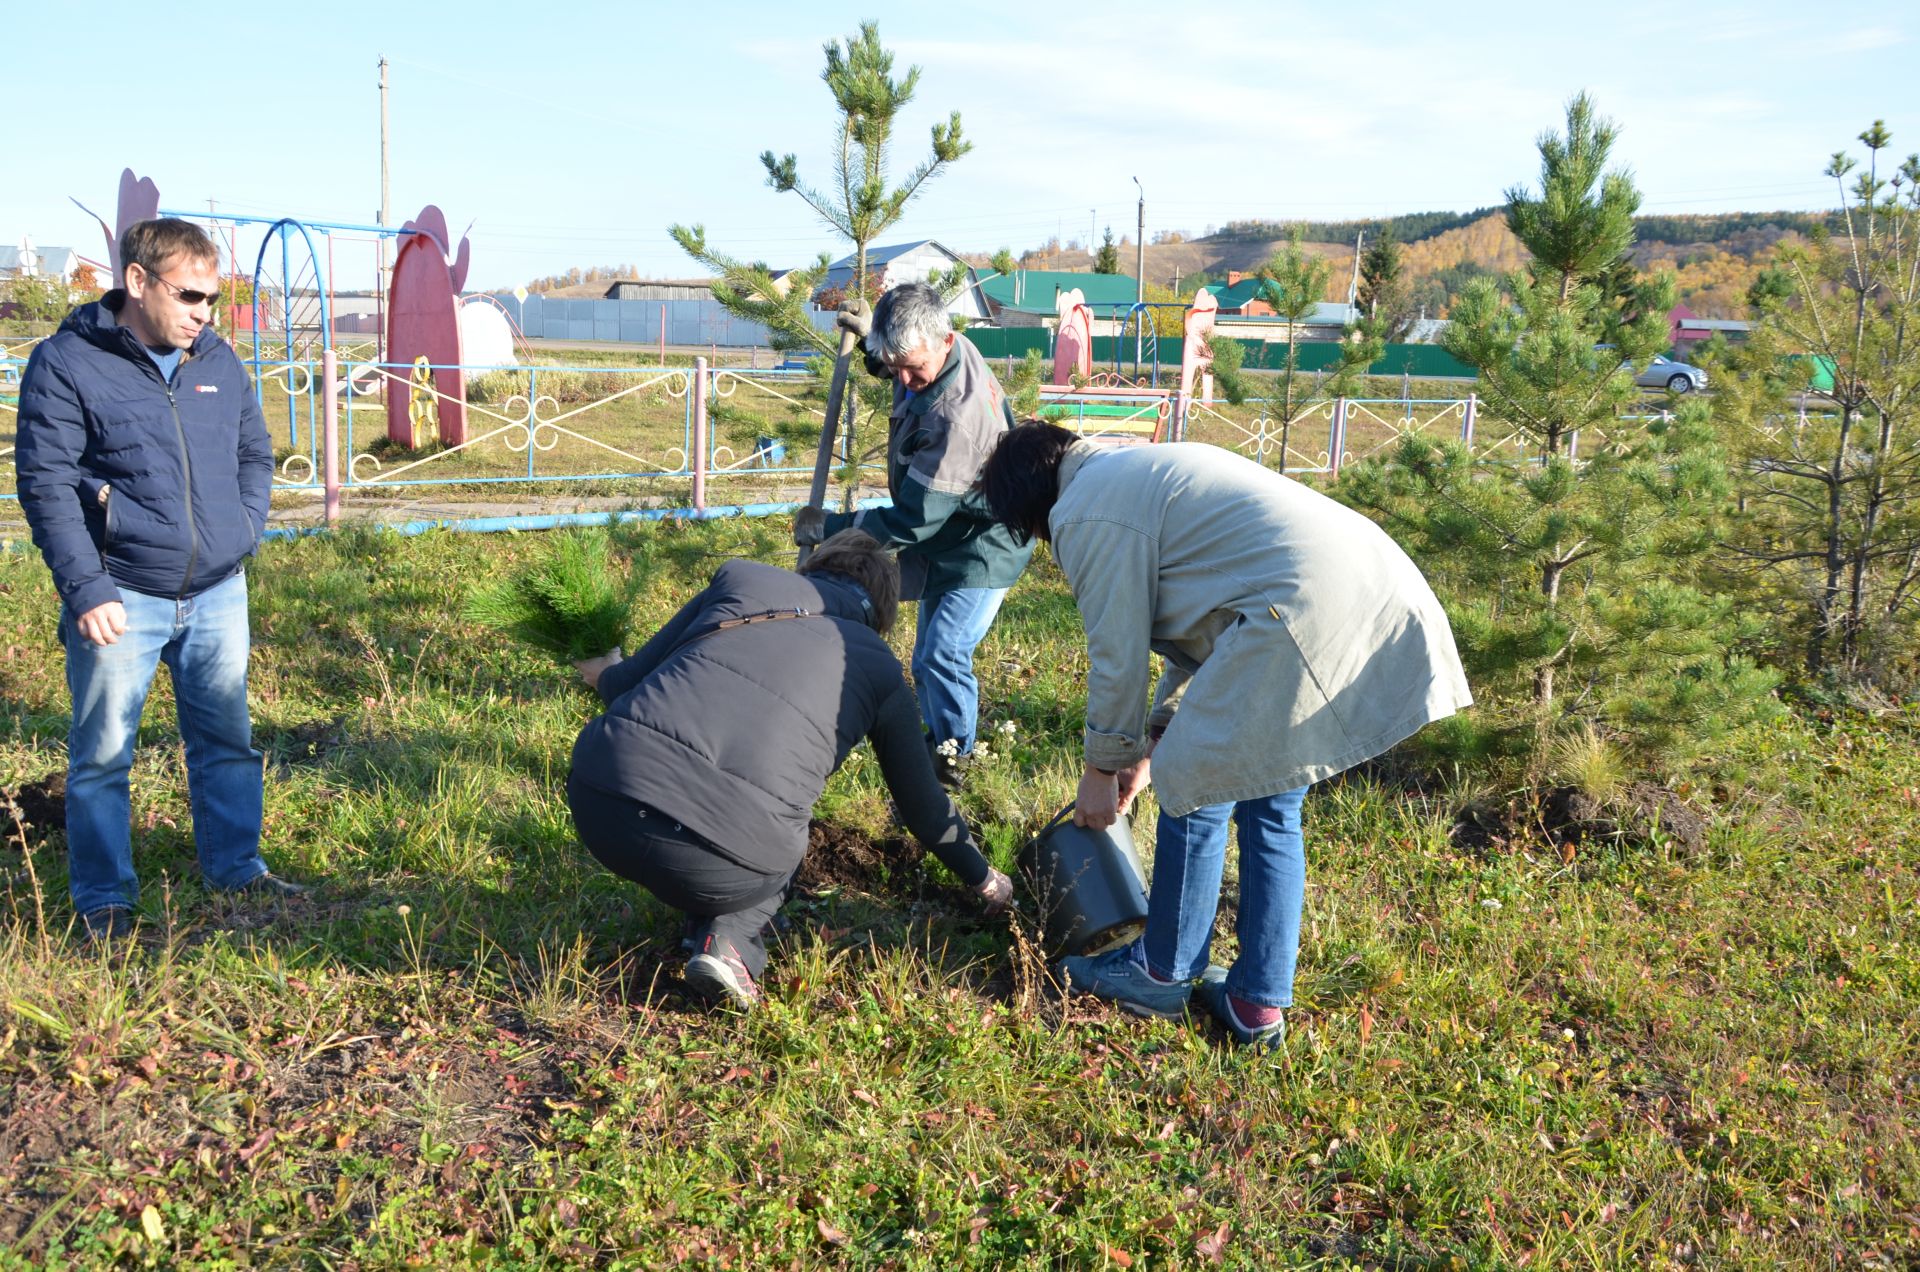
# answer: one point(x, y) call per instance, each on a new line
point(1236, 296)
point(1037, 289)
point(1325, 312)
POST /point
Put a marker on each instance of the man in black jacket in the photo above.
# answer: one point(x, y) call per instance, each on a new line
point(144, 469)
point(721, 732)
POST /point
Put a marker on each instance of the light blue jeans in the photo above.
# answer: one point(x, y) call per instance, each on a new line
point(203, 640)
point(950, 625)
point(1189, 857)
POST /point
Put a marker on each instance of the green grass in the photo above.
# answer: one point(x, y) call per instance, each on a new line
point(471, 1049)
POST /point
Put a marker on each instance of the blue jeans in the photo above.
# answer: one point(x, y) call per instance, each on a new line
point(203, 641)
point(950, 625)
point(1188, 858)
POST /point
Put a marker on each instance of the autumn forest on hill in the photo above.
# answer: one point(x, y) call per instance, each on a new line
point(1714, 258)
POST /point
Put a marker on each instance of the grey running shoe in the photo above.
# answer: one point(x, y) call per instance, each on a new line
point(1119, 977)
point(718, 975)
point(108, 923)
point(271, 886)
point(1212, 990)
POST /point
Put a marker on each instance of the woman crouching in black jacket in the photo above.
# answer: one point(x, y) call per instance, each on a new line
point(721, 732)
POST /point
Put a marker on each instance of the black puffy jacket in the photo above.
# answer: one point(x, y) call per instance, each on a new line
point(189, 464)
point(734, 734)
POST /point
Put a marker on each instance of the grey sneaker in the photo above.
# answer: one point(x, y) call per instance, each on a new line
point(270, 886)
point(108, 923)
point(718, 975)
point(1212, 990)
point(1120, 978)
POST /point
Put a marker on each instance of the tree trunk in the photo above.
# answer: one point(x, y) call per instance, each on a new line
point(1861, 565)
point(1286, 391)
point(1834, 564)
point(1550, 574)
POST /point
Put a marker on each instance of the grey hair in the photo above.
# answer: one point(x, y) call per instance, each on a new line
point(908, 317)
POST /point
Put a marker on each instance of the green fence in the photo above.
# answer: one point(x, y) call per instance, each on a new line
point(1400, 359)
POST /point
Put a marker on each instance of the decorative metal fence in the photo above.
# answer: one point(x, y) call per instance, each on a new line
point(652, 433)
point(705, 441)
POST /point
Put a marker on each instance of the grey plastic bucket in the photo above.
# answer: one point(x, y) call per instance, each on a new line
point(1088, 885)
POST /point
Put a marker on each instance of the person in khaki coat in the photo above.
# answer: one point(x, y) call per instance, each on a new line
point(1298, 640)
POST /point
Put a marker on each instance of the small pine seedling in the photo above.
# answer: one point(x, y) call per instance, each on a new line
point(572, 602)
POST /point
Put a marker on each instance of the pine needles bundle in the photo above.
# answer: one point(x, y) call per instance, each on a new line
point(572, 602)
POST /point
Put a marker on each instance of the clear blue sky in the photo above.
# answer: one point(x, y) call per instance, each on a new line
point(573, 134)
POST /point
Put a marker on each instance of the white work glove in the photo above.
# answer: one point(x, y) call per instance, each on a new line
point(854, 316)
point(995, 893)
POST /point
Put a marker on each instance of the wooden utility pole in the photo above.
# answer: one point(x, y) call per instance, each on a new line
point(1353, 287)
point(1140, 247)
point(386, 190)
point(380, 284)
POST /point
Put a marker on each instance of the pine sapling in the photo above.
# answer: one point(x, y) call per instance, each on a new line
point(572, 601)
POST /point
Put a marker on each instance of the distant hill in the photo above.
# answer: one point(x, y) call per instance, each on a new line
point(1714, 257)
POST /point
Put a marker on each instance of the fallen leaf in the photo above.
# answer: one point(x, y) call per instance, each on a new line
point(1366, 1025)
point(150, 1222)
point(1214, 1248)
point(736, 1073)
point(865, 1098)
point(1120, 1257)
point(830, 1234)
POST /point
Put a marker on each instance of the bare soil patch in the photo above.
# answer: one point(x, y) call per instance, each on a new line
point(841, 857)
point(308, 742)
point(1568, 819)
point(40, 807)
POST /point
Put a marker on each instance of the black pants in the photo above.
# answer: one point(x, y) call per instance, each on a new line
point(682, 870)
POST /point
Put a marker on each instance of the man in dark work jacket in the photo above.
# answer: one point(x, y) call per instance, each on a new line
point(720, 733)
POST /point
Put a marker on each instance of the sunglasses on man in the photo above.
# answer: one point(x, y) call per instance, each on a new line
point(187, 295)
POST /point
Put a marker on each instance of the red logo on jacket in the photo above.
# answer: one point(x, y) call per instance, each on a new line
point(206, 388)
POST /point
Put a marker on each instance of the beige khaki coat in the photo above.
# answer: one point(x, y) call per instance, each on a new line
point(1299, 639)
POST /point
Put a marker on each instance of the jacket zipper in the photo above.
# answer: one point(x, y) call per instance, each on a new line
point(186, 463)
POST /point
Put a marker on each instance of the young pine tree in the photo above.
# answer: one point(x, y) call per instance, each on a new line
point(1385, 295)
point(859, 205)
point(1570, 576)
point(1294, 282)
point(1832, 509)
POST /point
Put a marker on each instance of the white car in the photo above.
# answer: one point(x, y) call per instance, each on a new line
point(1675, 377)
